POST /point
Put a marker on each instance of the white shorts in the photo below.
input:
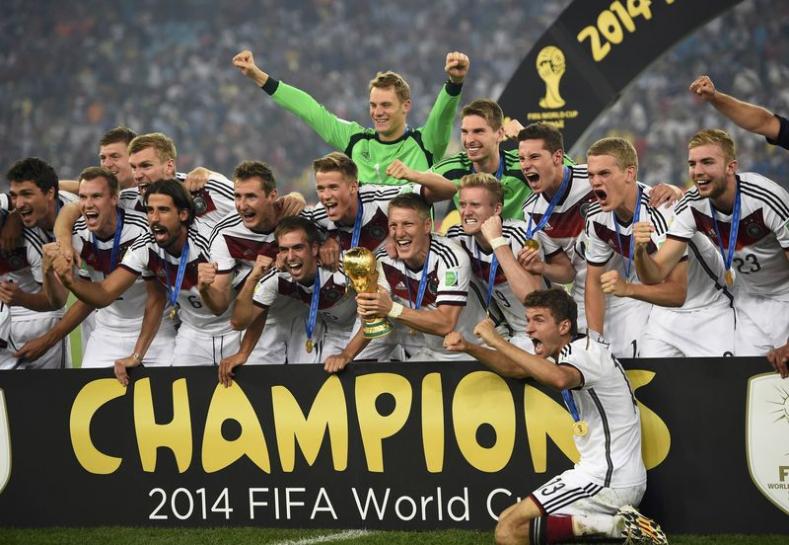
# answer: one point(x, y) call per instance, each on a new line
point(762, 323)
point(107, 345)
point(623, 327)
point(703, 333)
point(573, 493)
point(194, 347)
point(26, 328)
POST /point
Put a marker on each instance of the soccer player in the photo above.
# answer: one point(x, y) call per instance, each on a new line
point(481, 133)
point(152, 158)
point(236, 243)
point(756, 119)
point(331, 312)
point(114, 156)
point(423, 290)
point(101, 237)
point(35, 198)
point(171, 253)
point(374, 149)
point(746, 216)
point(622, 201)
point(595, 498)
point(491, 245)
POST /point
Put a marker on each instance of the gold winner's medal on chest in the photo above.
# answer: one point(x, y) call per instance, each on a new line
point(580, 428)
point(173, 314)
point(728, 277)
point(532, 244)
point(309, 345)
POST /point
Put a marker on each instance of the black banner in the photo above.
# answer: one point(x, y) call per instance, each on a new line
point(592, 52)
point(411, 446)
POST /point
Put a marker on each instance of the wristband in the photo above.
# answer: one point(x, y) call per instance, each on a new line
point(498, 242)
point(396, 311)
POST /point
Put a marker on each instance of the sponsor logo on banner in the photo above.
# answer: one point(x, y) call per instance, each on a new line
point(5, 445)
point(767, 437)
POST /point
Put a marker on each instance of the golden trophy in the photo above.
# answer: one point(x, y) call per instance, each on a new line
point(360, 268)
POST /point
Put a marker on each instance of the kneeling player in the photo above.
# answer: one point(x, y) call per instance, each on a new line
point(595, 498)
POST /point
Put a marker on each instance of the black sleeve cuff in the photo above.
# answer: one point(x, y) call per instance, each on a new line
point(270, 86)
point(453, 89)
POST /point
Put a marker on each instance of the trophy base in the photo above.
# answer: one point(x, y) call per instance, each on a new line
point(379, 327)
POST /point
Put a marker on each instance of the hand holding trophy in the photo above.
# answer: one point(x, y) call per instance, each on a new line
point(360, 267)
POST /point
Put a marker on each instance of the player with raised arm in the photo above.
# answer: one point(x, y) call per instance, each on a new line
point(746, 216)
point(101, 238)
point(171, 253)
point(595, 498)
point(375, 149)
point(491, 245)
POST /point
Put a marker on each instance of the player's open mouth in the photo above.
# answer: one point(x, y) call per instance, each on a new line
point(470, 221)
point(403, 244)
point(248, 215)
point(473, 148)
point(25, 212)
point(702, 183)
point(538, 346)
point(295, 268)
point(158, 231)
point(532, 177)
point(330, 207)
point(600, 194)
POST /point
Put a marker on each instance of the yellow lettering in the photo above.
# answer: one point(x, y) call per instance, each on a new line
point(218, 453)
point(433, 422)
point(374, 426)
point(90, 398)
point(547, 418)
point(655, 435)
point(175, 435)
point(328, 412)
point(481, 398)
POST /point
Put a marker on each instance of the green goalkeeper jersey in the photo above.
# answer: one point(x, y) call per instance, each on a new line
point(418, 148)
point(513, 182)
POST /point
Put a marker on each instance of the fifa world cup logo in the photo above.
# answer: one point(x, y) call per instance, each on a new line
point(550, 67)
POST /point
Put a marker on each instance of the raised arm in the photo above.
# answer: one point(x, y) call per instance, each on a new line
point(669, 293)
point(653, 268)
point(437, 131)
point(439, 321)
point(435, 187)
point(96, 294)
point(520, 280)
point(749, 116)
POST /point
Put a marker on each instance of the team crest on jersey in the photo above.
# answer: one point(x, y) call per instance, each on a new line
point(754, 231)
point(377, 232)
point(200, 205)
point(584, 210)
point(767, 437)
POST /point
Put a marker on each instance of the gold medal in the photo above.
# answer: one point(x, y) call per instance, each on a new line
point(728, 277)
point(532, 244)
point(309, 345)
point(411, 331)
point(580, 428)
point(173, 314)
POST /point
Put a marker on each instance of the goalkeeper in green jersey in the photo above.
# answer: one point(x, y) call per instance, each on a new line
point(391, 139)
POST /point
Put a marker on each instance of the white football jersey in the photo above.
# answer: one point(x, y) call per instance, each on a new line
point(611, 450)
point(448, 277)
point(145, 257)
point(126, 312)
point(763, 234)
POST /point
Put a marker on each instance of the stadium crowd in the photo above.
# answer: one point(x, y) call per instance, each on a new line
point(555, 270)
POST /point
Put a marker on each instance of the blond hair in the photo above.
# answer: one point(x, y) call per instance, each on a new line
point(487, 182)
point(620, 149)
point(162, 144)
point(715, 137)
point(384, 80)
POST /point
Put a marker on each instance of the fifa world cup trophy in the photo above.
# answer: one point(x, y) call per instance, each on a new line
point(360, 267)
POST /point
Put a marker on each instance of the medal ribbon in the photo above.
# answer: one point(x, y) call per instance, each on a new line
point(357, 224)
point(115, 242)
point(494, 265)
point(173, 291)
point(571, 406)
point(420, 294)
point(728, 256)
point(309, 325)
point(499, 171)
point(636, 215)
point(530, 232)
